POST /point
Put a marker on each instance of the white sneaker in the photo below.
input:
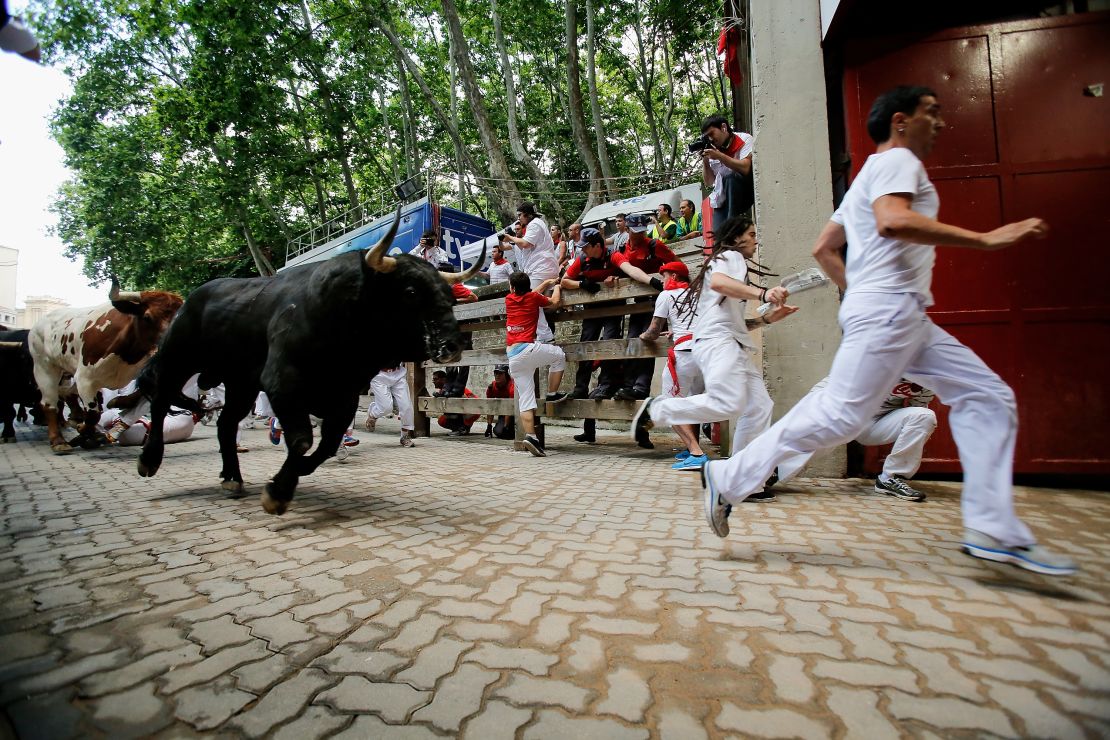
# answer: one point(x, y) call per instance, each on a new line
point(1030, 557)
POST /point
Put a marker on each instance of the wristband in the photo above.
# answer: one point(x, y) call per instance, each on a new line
point(763, 296)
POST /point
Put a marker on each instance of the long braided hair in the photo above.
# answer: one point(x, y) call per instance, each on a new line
point(724, 240)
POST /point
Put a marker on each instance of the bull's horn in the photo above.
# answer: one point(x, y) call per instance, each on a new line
point(115, 294)
point(376, 258)
point(10, 345)
point(458, 277)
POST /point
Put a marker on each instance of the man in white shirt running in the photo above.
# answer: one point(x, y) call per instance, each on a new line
point(888, 219)
point(535, 256)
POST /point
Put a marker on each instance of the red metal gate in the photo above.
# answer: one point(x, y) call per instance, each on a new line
point(1028, 135)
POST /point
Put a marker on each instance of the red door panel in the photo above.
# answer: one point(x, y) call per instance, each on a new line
point(1022, 140)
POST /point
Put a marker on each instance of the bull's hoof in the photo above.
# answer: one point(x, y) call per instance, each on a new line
point(61, 448)
point(146, 471)
point(272, 505)
point(234, 487)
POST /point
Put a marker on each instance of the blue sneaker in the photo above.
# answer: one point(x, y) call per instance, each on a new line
point(693, 462)
point(1030, 557)
point(682, 455)
point(275, 431)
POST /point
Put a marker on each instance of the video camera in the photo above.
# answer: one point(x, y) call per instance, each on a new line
point(700, 144)
point(513, 229)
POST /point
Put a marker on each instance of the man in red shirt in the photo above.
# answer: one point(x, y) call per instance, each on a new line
point(526, 355)
point(639, 259)
point(457, 376)
point(501, 387)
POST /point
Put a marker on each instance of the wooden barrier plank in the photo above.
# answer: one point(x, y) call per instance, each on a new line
point(605, 349)
point(620, 309)
point(608, 410)
point(624, 288)
point(435, 405)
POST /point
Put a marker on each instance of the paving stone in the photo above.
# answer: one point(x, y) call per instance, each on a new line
point(354, 658)
point(525, 659)
point(371, 727)
point(528, 691)
point(805, 643)
point(1008, 669)
point(209, 706)
point(216, 665)
point(858, 711)
point(314, 723)
point(25, 644)
point(280, 630)
point(628, 695)
point(497, 721)
point(282, 702)
point(667, 652)
point(49, 715)
point(257, 677)
point(863, 674)
point(525, 607)
point(1038, 718)
point(216, 634)
point(552, 725)
point(415, 634)
point(790, 679)
point(459, 696)
point(770, 723)
point(432, 663)
point(135, 713)
point(949, 713)
point(940, 675)
point(144, 669)
point(68, 674)
point(393, 702)
point(677, 725)
point(867, 643)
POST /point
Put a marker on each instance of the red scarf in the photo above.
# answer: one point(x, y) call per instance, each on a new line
point(674, 284)
point(500, 261)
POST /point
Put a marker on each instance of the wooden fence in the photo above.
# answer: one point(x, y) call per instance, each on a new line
point(488, 314)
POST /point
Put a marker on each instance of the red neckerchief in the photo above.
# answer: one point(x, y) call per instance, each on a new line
point(674, 284)
point(500, 261)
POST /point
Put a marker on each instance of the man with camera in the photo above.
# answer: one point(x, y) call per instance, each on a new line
point(428, 249)
point(535, 255)
point(666, 228)
point(726, 164)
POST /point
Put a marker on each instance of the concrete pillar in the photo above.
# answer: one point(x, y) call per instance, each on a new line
point(793, 195)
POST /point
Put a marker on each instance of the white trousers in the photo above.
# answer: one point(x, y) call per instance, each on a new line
point(686, 376)
point(887, 337)
point(908, 428)
point(391, 388)
point(526, 362)
point(734, 389)
point(543, 329)
point(175, 428)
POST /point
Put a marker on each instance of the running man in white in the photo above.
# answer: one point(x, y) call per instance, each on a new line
point(723, 347)
point(391, 388)
point(888, 219)
point(904, 420)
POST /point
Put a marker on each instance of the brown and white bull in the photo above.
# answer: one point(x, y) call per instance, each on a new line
point(81, 350)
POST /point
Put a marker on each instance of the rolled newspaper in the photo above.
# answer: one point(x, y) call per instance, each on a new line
point(799, 282)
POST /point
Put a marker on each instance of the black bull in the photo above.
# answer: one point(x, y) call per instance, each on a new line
point(311, 337)
point(17, 379)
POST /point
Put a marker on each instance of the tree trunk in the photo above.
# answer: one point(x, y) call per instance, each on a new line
point(516, 143)
point(498, 166)
point(408, 135)
point(265, 269)
point(388, 132)
point(595, 106)
point(492, 193)
point(321, 204)
point(668, 117)
point(574, 110)
point(647, 81)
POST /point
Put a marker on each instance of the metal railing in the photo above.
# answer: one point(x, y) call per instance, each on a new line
point(374, 207)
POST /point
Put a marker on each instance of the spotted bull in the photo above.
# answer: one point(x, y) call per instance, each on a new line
point(81, 350)
point(17, 379)
point(311, 337)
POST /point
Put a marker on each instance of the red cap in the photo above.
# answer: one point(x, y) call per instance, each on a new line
point(676, 267)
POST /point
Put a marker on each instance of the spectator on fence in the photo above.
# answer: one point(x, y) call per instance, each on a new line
point(457, 376)
point(501, 387)
point(458, 424)
point(535, 256)
point(727, 166)
point(562, 249)
point(428, 248)
point(526, 355)
point(499, 267)
point(619, 238)
point(666, 228)
point(641, 257)
point(391, 390)
point(462, 293)
point(689, 220)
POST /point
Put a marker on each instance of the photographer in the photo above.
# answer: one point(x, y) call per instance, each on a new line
point(535, 255)
point(726, 164)
point(428, 249)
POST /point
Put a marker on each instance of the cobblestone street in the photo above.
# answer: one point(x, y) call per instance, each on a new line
point(461, 588)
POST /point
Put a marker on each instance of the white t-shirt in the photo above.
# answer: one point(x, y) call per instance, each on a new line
point(719, 315)
point(619, 240)
point(539, 262)
point(666, 307)
point(721, 170)
point(433, 255)
point(500, 273)
point(879, 264)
